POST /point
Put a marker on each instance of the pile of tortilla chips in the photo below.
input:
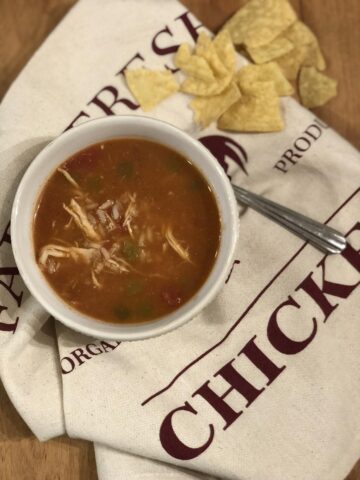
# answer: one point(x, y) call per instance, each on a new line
point(281, 48)
point(269, 31)
point(245, 101)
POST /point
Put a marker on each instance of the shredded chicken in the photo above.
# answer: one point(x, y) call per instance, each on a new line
point(101, 229)
point(98, 267)
point(125, 264)
point(114, 249)
point(130, 213)
point(52, 251)
point(115, 212)
point(106, 205)
point(82, 254)
point(82, 220)
point(91, 205)
point(106, 220)
point(110, 224)
point(109, 262)
point(176, 246)
point(96, 282)
point(117, 266)
point(68, 225)
point(52, 265)
point(58, 251)
point(68, 177)
point(101, 216)
point(89, 201)
point(91, 218)
point(93, 245)
point(119, 206)
point(105, 253)
point(60, 240)
point(97, 249)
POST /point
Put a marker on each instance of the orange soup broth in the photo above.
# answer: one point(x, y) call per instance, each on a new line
point(172, 206)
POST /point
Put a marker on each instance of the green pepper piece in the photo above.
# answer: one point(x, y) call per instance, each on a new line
point(94, 184)
point(130, 250)
point(122, 312)
point(196, 184)
point(174, 164)
point(134, 287)
point(145, 310)
point(125, 169)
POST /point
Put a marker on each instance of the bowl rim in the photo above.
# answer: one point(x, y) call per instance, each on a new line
point(101, 329)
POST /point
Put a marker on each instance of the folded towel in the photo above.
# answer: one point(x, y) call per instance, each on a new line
point(265, 382)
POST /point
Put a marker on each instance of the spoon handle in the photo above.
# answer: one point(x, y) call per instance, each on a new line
point(321, 236)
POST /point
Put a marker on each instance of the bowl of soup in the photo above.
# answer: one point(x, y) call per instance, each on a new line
point(124, 228)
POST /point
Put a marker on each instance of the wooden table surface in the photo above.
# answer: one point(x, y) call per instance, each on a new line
point(24, 24)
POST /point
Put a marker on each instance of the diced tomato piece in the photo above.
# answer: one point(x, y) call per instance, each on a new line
point(120, 228)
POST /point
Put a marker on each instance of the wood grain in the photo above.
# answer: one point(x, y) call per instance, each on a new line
point(24, 24)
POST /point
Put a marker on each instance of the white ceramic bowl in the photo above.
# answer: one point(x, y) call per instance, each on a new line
point(65, 146)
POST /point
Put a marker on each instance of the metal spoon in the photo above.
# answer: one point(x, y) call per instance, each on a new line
point(321, 236)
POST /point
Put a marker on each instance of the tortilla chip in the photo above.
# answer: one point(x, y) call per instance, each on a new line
point(279, 46)
point(223, 68)
point(182, 55)
point(253, 74)
point(257, 111)
point(150, 87)
point(200, 88)
point(300, 35)
point(205, 48)
point(315, 88)
point(291, 62)
point(193, 65)
point(314, 57)
point(209, 109)
point(260, 21)
point(225, 49)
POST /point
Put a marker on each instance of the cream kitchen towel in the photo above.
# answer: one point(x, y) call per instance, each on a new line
point(265, 383)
